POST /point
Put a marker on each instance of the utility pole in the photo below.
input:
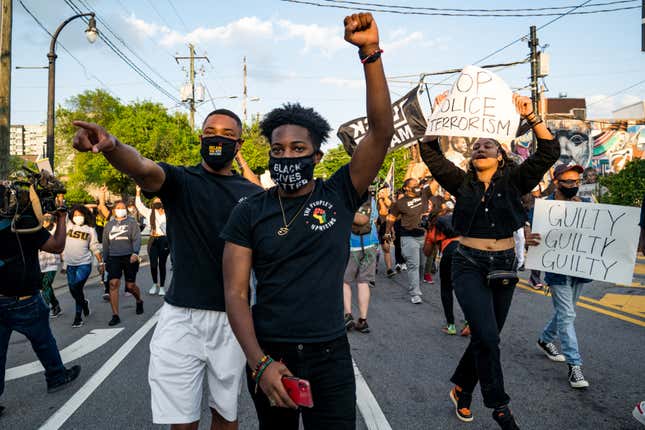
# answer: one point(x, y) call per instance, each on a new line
point(5, 86)
point(244, 96)
point(191, 102)
point(533, 45)
point(643, 26)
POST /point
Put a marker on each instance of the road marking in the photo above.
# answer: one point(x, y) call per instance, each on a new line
point(88, 343)
point(639, 269)
point(593, 308)
point(367, 404)
point(629, 303)
point(67, 410)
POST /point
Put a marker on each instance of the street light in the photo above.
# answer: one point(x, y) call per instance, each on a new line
point(91, 33)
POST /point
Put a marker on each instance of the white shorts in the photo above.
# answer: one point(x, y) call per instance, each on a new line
point(187, 344)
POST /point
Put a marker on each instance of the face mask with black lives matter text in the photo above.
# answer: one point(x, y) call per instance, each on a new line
point(291, 174)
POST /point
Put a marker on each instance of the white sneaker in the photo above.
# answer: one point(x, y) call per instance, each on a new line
point(153, 290)
point(639, 412)
point(162, 291)
point(404, 267)
point(416, 300)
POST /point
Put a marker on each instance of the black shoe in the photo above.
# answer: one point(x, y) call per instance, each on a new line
point(1, 410)
point(139, 310)
point(70, 375)
point(115, 320)
point(86, 308)
point(462, 402)
point(576, 378)
point(390, 273)
point(106, 297)
point(56, 311)
point(372, 284)
point(349, 322)
point(362, 326)
point(78, 321)
point(505, 419)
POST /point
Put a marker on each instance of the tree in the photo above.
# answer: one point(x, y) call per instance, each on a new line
point(626, 187)
point(255, 148)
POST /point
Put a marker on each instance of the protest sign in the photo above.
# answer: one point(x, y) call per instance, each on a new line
point(585, 240)
point(409, 124)
point(479, 104)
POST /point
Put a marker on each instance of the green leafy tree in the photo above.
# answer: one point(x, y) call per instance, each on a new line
point(255, 149)
point(626, 187)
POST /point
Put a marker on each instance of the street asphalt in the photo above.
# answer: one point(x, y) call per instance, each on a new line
point(406, 361)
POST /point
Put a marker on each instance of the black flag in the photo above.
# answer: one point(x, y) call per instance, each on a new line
point(409, 124)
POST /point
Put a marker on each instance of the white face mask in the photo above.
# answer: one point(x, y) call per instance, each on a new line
point(121, 213)
point(79, 220)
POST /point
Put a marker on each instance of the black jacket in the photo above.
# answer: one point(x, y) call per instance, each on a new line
point(507, 186)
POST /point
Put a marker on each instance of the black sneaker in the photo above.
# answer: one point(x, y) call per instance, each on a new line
point(1, 410)
point(462, 402)
point(505, 419)
point(78, 322)
point(86, 308)
point(390, 273)
point(551, 351)
point(115, 320)
point(139, 310)
point(56, 311)
point(349, 322)
point(372, 284)
point(70, 375)
point(362, 326)
point(576, 378)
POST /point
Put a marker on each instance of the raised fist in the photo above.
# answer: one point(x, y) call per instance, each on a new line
point(523, 105)
point(361, 31)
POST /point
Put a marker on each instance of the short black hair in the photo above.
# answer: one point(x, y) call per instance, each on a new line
point(296, 114)
point(226, 112)
point(406, 183)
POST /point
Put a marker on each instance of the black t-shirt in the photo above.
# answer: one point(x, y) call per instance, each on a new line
point(300, 275)
point(411, 209)
point(20, 271)
point(197, 205)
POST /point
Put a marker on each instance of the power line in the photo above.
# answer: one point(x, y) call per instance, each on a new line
point(461, 14)
point(87, 73)
point(439, 9)
point(617, 92)
point(128, 12)
point(172, 5)
point(157, 12)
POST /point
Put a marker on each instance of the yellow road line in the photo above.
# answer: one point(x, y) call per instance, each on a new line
point(590, 307)
point(621, 302)
point(639, 269)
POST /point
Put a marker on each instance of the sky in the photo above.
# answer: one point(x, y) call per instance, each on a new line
point(296, 53)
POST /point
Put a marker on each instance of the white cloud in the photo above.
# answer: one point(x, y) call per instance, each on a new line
point(326, 39)
point(343, 83)
point(601, 106)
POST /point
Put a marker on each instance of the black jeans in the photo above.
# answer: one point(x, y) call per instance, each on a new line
point(158, 251)
point(486, 310)
point(445, 275)
point(328, 368)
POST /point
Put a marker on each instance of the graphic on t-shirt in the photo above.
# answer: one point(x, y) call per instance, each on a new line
point(413, 203)
point(320, 215)
point(118, 231)
point(215, 149)
point(75, 234)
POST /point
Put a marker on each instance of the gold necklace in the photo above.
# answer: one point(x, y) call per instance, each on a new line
point(284, 230)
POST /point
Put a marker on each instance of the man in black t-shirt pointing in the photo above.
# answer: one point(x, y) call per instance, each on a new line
point(193, 338)
point(295, 236)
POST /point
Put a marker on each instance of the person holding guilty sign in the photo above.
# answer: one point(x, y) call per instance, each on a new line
point(488, 210)
point(295, 238)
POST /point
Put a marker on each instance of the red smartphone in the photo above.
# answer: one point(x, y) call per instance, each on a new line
point(299, 390)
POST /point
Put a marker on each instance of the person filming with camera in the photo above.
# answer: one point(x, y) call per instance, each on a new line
point(22, 307)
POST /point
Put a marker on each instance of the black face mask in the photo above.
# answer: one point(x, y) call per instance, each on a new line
point(218, 151)
point(157, 205)
point(291, 174)
point(568, 192)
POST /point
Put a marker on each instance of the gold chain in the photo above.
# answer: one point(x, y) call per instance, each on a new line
point(282, 231)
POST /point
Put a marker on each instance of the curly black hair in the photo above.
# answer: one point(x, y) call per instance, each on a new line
point(89, 217)
point(296, 114)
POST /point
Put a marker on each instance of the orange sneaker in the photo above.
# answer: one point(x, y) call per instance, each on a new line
point(461, 401)
point(465, 331)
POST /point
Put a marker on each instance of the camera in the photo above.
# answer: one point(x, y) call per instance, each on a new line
point(26, 196)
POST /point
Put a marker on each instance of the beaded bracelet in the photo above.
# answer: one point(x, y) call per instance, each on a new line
point(371, 57)
point(261, 363)
point(260, 372)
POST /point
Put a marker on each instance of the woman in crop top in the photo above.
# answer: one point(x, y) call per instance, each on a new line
point(488, 210)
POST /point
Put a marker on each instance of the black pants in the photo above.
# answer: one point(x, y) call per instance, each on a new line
point(398, 255)
point(158, 251)
point(328, 368)
point(486, 310)
point(445, 274)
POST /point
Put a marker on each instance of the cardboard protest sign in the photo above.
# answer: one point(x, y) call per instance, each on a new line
point(479, 104)
point(585, 240)
point(409, 124)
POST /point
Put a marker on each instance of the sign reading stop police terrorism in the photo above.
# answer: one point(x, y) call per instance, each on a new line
point(479, 104)
point(585, 240)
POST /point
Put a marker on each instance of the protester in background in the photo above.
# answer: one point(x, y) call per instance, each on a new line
point(591, 188)
point(385, 239)
point(158, 248)
point(409, 209)
point(193, 339)
point(49, 266)
point(121, 245)
point(81, 244)
point(565, 290)
point(22, 308)
point(134, 213)
point(430, 266)
point(488, 210)
point(104, 210)
point(395, 234)
point(361, 267)
point(295, 238)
